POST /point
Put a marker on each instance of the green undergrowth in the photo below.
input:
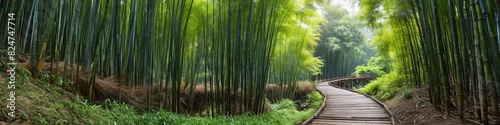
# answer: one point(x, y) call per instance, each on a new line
point(387, 86)
point(42, 103)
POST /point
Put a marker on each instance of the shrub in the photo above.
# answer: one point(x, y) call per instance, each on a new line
point(384, 87)
point(284, 104)
point(374, 67)
point(407, 91)
point(314, 100)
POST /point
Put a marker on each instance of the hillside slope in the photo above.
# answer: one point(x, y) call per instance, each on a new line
point(39, 102)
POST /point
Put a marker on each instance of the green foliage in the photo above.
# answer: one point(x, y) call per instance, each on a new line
point(284, 104)
point(374, 67)
point(407, 91)
point(227, 45)
point(3, 60)
point(397, 46)
point(384, 87)
point(314, 100)
point(370, 12)
point(451, 46)
point(368, 70)
point(293, 58)
point(343, 44)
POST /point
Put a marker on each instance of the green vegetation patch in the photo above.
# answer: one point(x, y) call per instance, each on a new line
point(376, 66)
point(384, 87)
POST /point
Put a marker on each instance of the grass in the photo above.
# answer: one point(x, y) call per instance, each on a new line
point(42, 103)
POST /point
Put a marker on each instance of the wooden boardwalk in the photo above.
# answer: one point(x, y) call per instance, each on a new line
point(344, 107)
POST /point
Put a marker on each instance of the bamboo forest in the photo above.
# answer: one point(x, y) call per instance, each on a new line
point(276, 62)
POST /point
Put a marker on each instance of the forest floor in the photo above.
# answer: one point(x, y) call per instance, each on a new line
point(418, 110)
point(39, 102)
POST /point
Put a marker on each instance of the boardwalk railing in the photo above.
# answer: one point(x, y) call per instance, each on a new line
point(351, 82)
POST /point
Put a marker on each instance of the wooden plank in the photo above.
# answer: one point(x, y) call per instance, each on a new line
point(331, 102)
point(351, 111)
point(344, 123)
point(354, 111)
point(344, 107)
point(351, 105)
point(332, 109)
point(349, 99)
point(352, 108)
point(351, 121)
point(355, 104)
point(352, 101)
point(342, 98)
point(347, 110)
point(349, 96)
point(356, 115)
point(333, 97)
point(355, 118)
point(349, 102)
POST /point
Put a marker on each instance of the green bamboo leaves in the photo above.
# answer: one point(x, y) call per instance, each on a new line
point(210, 57)
point(452, 46)
point(342, 45)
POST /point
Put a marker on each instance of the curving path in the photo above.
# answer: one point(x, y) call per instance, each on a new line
point(344, 107)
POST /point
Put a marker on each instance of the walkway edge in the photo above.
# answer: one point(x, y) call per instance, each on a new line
point(309, 120)
point(393, 121)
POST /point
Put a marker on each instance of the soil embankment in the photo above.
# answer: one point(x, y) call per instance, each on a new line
point(418, 110)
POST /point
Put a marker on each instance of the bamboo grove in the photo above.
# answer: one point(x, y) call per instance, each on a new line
point(343, 44)
point(171, 50)
point(451, 46)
